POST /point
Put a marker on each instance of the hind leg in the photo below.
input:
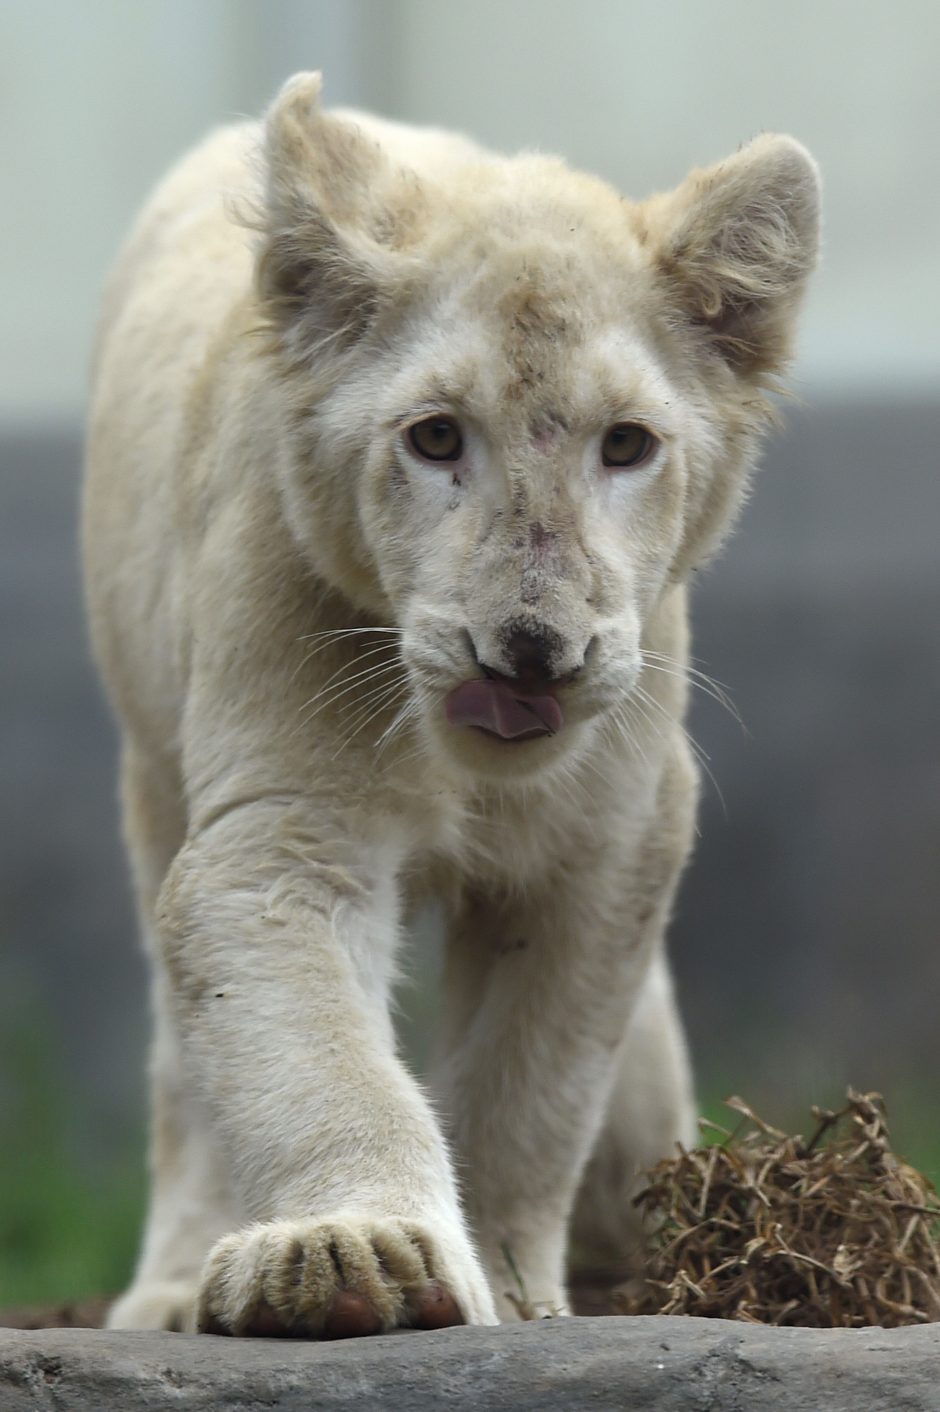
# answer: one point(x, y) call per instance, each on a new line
point(651, 1107)
point(190, 1205)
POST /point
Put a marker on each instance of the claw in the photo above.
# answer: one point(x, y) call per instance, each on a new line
point(436, 1308)
point(351, 1316)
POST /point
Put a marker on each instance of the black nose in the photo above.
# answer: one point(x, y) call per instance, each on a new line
point(533, 650)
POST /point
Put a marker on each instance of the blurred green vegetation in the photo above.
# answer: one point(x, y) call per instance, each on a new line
point(71, 1203)
point(912, 1117)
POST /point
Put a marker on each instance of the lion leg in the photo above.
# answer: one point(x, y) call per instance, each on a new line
point(561, 1041)
point(189, 1202)
point(536, 1002)
point(651, 1107)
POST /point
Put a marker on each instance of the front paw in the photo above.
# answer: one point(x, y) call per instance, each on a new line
point(341, 1278)
point(166, 1304)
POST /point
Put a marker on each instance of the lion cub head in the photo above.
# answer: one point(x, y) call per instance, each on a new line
point(520, 406)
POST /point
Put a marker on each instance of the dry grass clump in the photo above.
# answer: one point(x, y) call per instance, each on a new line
point(765, 1227)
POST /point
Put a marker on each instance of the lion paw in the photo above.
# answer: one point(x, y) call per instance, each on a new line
point(166, 1305)
point(338, 1279)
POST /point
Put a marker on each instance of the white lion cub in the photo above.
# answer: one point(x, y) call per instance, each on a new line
point(393, 492)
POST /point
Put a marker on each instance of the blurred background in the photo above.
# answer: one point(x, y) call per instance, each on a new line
point(806, 938)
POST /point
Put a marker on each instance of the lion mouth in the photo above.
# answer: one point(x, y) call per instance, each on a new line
point(502, 709)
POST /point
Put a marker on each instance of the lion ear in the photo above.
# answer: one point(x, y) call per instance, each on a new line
point(735, 244)
point(321, 269)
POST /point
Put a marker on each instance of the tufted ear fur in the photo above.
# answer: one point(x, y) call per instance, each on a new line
point(326, 261)
point(735, 244)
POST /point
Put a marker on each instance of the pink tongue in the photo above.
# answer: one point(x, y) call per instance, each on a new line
point(503, 710)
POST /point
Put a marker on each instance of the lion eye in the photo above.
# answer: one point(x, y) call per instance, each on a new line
point(437, 439)
point(628, 444)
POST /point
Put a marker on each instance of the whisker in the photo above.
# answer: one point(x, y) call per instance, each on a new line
point(344, 666)
point(384, 703)
point(419, 752)
point(698, 751)
point(685, 665)
point(346, 685)
point(345, 632)
point(420, 698)
point(400, 720)
point(624, 724)
point(340, 691)
point(716, 689)
point(368, 703)
point(705, 687)
point(334, 637)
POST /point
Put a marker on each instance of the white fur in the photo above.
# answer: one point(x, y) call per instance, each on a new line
point(282, 593)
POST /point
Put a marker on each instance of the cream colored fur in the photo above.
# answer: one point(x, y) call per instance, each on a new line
point(282, 594)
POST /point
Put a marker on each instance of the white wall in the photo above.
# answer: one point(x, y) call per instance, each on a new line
point(97, 96)
point(640, 90)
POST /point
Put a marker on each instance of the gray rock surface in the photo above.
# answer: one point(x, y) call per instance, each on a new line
point(561, 1365)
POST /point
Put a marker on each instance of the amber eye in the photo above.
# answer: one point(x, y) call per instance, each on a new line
point(628, 444)
point(437, 439)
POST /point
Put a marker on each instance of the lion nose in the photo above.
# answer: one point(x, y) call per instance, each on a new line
point(531, 654)
point(533, 651)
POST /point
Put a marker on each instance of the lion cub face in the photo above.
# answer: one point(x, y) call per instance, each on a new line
point(525, 406)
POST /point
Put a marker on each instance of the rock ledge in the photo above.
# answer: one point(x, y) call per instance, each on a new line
point(656, 1364)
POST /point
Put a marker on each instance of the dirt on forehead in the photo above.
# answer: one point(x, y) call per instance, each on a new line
point(538, 339)
point(836, 1231)
point(538, 322)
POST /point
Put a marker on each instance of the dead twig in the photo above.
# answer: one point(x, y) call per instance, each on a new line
point(767, 1228)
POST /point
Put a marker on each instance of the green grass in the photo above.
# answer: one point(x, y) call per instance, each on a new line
point(68, 1227)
